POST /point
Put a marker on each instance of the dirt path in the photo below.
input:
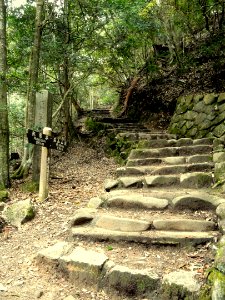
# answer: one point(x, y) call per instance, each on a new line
point(77, 176)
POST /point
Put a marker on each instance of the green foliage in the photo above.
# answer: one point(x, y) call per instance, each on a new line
point(95, 127)
point(16, 122)
point(120, 147)
point(3, 195)
point(30, 186)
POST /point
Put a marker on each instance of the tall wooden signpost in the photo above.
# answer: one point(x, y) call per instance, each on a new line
point(43, 118)
point(46, 141)
point(43, 121)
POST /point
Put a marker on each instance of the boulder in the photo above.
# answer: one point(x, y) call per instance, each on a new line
point(3, 196)
point(18, 213)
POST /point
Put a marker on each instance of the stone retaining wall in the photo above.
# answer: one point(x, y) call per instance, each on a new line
point(198, 116)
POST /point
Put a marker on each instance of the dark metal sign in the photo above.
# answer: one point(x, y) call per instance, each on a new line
point(38, 138)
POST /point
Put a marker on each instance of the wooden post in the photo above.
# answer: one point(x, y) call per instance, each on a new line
point(43, 118)
point(44, 172)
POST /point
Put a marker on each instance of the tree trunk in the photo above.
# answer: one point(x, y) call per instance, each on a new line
point(4, 125)
point(32, 89)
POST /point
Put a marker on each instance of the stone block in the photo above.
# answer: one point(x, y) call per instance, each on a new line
point(121, 224)
point(95, 202)
point(219, 130)
point(83, 266)
point(210, 98)
point(183, 225)
point(219, 157)
point(4, 196)
point(221, 98)
point(182, 279)
point(110, 184)
point(197, 98)
point(196, 180)
point(220, 211)
point(137, 201)
point(197, 200)
point(83, 216)
point(19, 212)
point(128, 281)
point(219, 171)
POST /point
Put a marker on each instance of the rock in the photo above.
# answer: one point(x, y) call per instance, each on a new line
point(110, 184)
point(39, 294)
point(219, 130)
point(3, 288)
point(130, 281)
point(220, 259)
point(82, 216)
point(70, 297)
point(95, 202)
point(162, 180)
point(218, 157)
point(220, 211)
point(221, 225)
point(221, 98)
point(196, 180)
point(84, 266)
point(182, 279)
point(144, 237)
point(219, 171)
point(137, 201)
point(18, 213)
point(217, 280)
point(184, 225)
point(174, 160)
point(131, 181)
point(4, 196)
point(197, 200)
point(121, 224)
point(2, 205)
point(54, 252)
point(210, 98)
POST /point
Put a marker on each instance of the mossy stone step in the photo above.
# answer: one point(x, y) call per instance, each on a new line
point(187, 180)
point(165, 170)
point(201, 158)
point(174, 143)
point(148, 223)
point(144, 237)
point(170, 151)
point(145, 136)
point(161, 198)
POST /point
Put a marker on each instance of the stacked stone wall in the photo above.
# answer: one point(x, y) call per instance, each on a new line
point(199, 116)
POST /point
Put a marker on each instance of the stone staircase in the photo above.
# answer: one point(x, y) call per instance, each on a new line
point(162, 199)
point(114, 124)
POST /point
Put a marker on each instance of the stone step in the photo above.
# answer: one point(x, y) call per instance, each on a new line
point(145, 136)
point(170, 151)
point(158, 199)
point(165, 170)
point(186, 180)
point(145, 237)
point(120, 278)
point(201, 158)
point(174, 143)
point(148, 222)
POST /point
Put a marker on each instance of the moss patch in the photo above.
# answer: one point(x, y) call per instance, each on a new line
point(3, 196)
point(30, 186)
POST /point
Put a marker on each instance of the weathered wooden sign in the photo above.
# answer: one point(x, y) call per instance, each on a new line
point(38, 138)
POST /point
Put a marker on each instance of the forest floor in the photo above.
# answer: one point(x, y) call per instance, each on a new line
point(76, 177)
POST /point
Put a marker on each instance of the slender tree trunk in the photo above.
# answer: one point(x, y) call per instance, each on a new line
point(4, 125)
point(32, 89)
